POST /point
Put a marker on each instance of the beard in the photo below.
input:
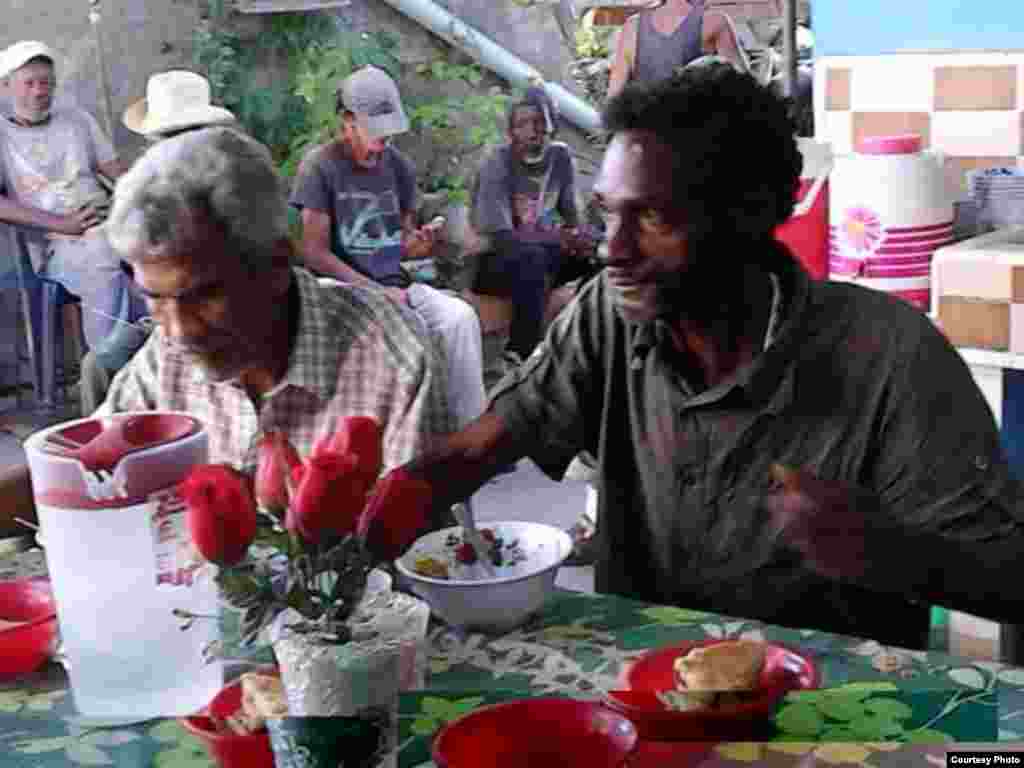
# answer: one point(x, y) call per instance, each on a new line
point(701, 289)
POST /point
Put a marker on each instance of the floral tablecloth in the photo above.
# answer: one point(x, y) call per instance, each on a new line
point(877, 706)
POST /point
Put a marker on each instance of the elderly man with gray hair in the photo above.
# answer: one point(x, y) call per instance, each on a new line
point(244, 341)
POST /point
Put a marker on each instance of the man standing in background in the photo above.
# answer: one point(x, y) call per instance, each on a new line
point(653, 44)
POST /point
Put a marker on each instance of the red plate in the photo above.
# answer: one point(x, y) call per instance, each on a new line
point(25, 646)
point(785, 669)
point(539, 733)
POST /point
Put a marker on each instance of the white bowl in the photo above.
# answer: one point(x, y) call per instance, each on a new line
point(491, 604)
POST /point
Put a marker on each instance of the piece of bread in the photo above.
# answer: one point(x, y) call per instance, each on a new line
point(262, 697)
point(729, 666)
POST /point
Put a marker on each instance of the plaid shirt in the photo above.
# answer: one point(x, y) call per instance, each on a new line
point(355, 353)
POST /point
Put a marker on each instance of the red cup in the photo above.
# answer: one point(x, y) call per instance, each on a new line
point(26, 647)
point(229, 749)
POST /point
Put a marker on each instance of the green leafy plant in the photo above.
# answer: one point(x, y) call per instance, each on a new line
point(272, 113)
point(458, 126)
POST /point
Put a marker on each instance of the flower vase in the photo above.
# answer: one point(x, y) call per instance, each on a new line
point(343, 697)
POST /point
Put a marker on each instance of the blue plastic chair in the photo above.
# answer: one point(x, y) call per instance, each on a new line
point(42, 304)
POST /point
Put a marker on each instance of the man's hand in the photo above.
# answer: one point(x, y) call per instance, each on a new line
point(822, 520)
point(573, 242)
point(420, 242)
point(80, 220)
point(398, 295)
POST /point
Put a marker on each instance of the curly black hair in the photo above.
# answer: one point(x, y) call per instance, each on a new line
point(736, 164)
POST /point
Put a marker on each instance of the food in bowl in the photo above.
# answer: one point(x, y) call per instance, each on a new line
point(716, 676)
point(459, 560)
point(483, 597)
point(262, 697)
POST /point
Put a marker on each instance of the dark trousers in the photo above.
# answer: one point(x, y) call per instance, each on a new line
point(525, 272)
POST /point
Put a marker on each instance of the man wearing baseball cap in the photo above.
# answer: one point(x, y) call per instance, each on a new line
point(357, 198)
point(50, 163)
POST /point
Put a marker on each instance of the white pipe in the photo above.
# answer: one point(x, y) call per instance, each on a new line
point(462, 36)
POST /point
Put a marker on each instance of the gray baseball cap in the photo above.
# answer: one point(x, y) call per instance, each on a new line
point(372, 96)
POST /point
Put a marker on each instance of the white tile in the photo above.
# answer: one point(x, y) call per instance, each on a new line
point(977, 133)
point(837, 129)
point(892, 84)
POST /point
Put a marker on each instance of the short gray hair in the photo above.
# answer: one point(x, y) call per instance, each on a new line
point(218, 172)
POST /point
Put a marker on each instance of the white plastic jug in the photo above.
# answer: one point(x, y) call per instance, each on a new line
point(117, 552)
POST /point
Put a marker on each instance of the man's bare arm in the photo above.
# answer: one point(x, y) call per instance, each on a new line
point(113, 169)
point(74, 223)
point(317, 253)
point(625, 54)
point(466, 460)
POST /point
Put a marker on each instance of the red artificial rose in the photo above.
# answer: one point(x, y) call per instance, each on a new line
point(398, 510)
point(360, 435)
point(220, 512)
point(277, 459)
point(329, 497)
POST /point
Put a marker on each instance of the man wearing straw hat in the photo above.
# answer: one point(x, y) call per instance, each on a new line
point(176, 101)
point(51, 161)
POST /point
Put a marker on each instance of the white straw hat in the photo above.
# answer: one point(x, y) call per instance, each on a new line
point(175, 100)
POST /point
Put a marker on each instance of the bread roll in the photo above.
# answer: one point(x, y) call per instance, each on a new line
point(729, 666)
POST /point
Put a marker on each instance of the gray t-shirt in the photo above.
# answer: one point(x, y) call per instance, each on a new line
point(53, 166)
point(365, 206)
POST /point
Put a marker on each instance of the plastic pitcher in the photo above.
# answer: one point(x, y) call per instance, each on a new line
point(118, 555)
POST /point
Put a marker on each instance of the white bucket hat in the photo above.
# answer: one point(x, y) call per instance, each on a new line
point(16, 56)
point(175, 100)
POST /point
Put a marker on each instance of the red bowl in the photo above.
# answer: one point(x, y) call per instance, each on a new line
point(784, 670)
point(26, 647)
point(540, 733)
point(228, 749)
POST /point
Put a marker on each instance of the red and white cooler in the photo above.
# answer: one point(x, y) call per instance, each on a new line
point(806, 230)
point(890, 208)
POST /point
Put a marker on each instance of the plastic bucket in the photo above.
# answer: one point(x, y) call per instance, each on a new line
point(805, 232)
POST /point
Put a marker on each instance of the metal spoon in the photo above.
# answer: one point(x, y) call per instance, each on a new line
point(463, 512)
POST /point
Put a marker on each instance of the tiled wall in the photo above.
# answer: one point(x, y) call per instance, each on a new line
point(969, 106)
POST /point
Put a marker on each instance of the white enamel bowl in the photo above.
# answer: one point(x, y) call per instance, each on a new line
point(491, 604)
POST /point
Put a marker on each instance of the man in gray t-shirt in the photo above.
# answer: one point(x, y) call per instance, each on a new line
point(50, 162)
point(358, 204)
point(366, 220)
